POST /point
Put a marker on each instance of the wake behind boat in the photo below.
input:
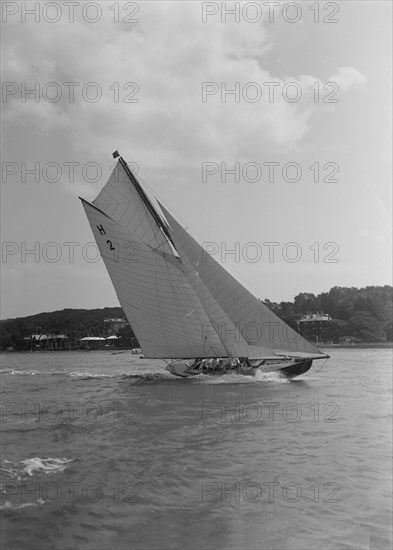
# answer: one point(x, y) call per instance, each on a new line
point(180, 302)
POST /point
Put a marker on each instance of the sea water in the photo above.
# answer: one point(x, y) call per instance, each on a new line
point(107, 450)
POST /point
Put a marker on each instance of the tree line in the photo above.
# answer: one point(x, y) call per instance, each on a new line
point(363, 314)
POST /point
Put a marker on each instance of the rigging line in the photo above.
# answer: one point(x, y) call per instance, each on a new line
point(160, 245)
point(167, 241)
point(145, 199)
point(247, 284)
point(318, 369)
point(172, 243)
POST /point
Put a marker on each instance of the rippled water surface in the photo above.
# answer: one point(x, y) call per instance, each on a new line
point(107, 450)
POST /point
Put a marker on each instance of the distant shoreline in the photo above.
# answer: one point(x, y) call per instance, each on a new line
point(359, 345)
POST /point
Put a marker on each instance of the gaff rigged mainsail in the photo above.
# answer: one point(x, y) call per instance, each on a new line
point(179, 301)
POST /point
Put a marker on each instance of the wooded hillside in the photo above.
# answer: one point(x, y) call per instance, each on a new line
point(365, 314)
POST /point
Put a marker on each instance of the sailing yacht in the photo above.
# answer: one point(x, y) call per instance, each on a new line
point(182, 305)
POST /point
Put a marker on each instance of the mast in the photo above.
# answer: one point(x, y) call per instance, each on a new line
point(144, 198)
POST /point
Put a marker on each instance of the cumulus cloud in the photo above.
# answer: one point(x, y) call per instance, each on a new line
point(347, 77)
point(169, 54)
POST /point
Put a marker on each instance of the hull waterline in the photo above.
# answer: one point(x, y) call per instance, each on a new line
point(286, 369)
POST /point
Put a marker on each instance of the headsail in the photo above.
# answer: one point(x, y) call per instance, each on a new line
point(255, 323)
point(220, 323)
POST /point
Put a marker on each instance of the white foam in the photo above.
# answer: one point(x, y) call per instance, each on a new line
point(242, 378)
point(87, 374)
point(11, 472)
point(45, 465)
point(9, 506)
point(76, 374)
point(14, 371)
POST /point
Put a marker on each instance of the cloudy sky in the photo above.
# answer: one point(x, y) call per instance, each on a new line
point(311, 149)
